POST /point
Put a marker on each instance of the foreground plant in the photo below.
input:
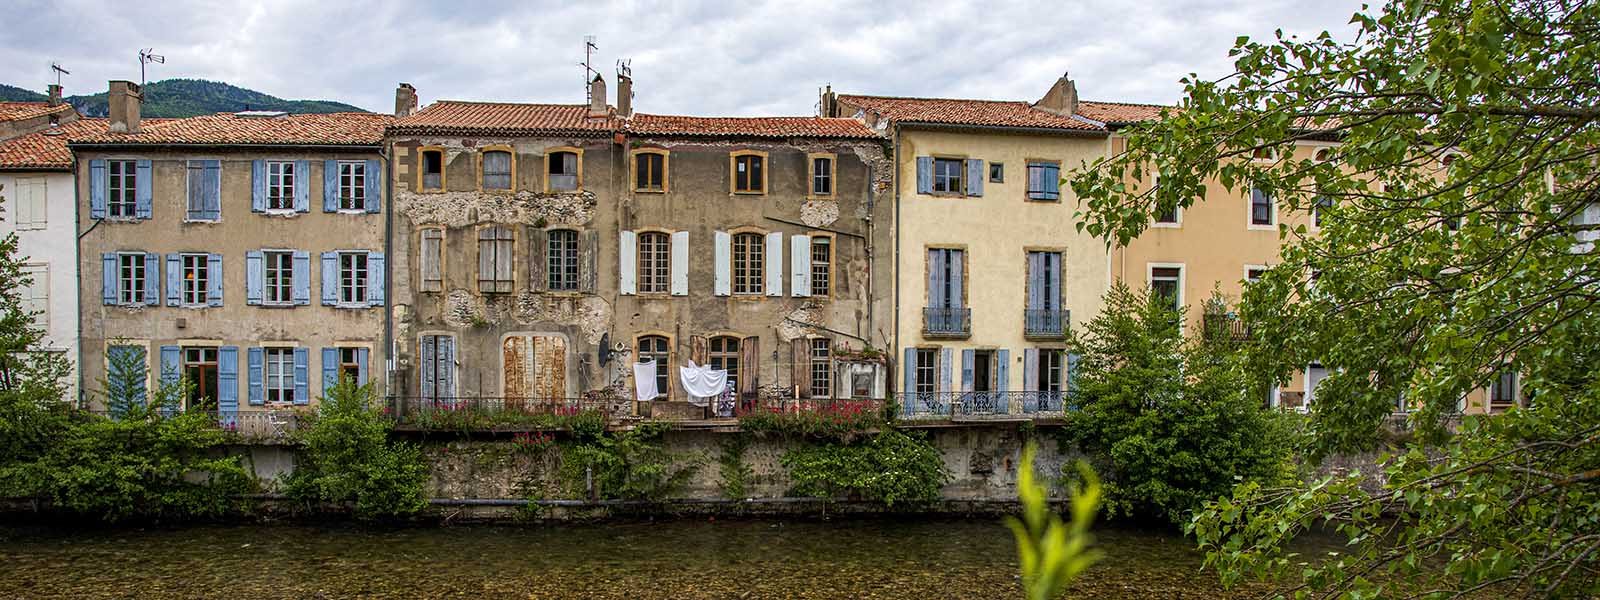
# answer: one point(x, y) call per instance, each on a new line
point(1052, 553)
point(349, 459)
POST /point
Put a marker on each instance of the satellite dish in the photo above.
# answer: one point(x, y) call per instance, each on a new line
point(604, 352)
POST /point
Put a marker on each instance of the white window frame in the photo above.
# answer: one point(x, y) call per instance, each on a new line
point(36, 296)
point(819, 353)
point(277, 374)
point(280, 185)
point(959, 179)
point(1310, 394)
point(822, 270)
point(354, 285)
point(1183, 276)
point(195, 291)
point(122, 188)
point(1249, 268)
point(823, 177)
point(352, 186)
point(1250, 208)
point(287, 280)
point(130, 290)
point(655, 264)
point(1177, 211)
point(560, 262)
point(750, 280)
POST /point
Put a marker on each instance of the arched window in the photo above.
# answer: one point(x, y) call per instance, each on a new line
point(654, 256)
point(725, 357)
point(497, 170)
point(748, 263)
point(658, 349)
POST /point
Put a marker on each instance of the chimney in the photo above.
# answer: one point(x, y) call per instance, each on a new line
point(624, 95)
point(124, 100)
point(597, 98)
point(828, 104)
point(1062, 98)
point(55, 94)
point(405, 100)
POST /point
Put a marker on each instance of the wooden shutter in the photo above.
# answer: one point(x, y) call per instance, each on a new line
point(427, 352)
point(924, 174)
point(1002, 377)
point(108, 277)
point(302, 186)
point(975, 177)
point(99, 181)
point(330, 279)
point(362, 355)
point(800, 265)
point(750, 367)
point(1030, 370)
point(1052, 181)
point(152, 279)
point(722, 256)
point(302, 373)
point(588, 261)
point(800, 368)
point(257, 376)
point(143, 189)
point(174, 278)
point(967, 357)
point(936, 276)
point(699, 350)
point(376, 274)
point(330, 370)
point(538, 245)
point(774, 264)
point(301, 277)
point(947, 356)
point(627, 263)
point(373, 177)
point(228, 381)
point(1035, 280)
point(908, 381)
point(258, 185)
point(254, 276)
point(680, 263)
point(330, 186)
point(1072, 375)
point(957, 287)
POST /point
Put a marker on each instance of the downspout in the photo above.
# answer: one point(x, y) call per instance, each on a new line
point(77, 261)
point(872, 192)
point(896, 352)
point(392, 360)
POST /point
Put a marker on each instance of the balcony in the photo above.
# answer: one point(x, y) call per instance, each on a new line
point(505, 414)
point(1049, 323)
point(946, 322)
point(981, 405)
point(1222, 327)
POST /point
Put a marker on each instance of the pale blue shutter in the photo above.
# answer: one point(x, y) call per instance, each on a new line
point(302, 278)
point(211, 189)
point(1052, 181)
point(302, 368)
point(99, 179)
point(774, 264)
point(966, 370)
point(258, 185)
point(908, 377)
point(152, 279)
point(256, 363)
point(330, 278)
point(936, 283)
point(143, 190)
point(1030, 380)
point(447, 367)
point(254, 276)
point(170, 359)
point(947, 358)
point(330, 370)
point(957, 287)
point(428, 352)
point(375, 279)
point(108, 277)
point(680, 263)
point(330, 186)
point(924, 174)
point(374, 181)
point(975, 177)
point(227, 383)
point(1002, 380)
point(362, 354)
point(302, 186)
point(214, 281)
point(174, 277)
point(1035, 280)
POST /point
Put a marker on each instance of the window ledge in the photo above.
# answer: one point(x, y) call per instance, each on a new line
point(1160, 225)
point(649, 191)
point(738, 193)
point(827, 197)
point(280, 212)
point(1255, 227)
point(201, 221)
point(352, 211)
point(946, 194)
point(124, 219)
point(351, 305)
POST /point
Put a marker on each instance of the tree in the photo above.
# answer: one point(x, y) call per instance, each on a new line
point(348, 458)
point(32, 381)
point(1459, 218)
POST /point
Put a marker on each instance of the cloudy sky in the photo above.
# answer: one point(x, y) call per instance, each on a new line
point(688, 57)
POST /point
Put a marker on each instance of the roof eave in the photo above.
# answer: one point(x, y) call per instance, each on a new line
point(361, 147)
point(1002, 129)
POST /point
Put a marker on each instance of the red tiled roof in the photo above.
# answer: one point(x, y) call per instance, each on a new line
point(1119, 112)
point(46, 150)
point(455, 117)
point(952, 111)
point(16, 111)
point(767, 127)
point(330, 129)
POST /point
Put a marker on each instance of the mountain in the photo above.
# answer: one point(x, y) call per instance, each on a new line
point(188, 98)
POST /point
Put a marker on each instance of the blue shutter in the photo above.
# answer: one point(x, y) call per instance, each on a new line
point(214, 281)
point(227, 384)
point(1036, 280)
point(957, 288)
point(211, 189)
point(302, 186)
point(152, 279)
point(1052, 181)
point(427, 351)
point(258, 185)
point(258, 376)
point(924, 174)
point(947, 357)
point(374, 180)
point(908, 375)
point(254, 277)
point(330, 186)
point(966, 370)
point(375, 279)
point(1072, 379)
point(936, 271)
point(975, 177)
point(1030, 380)
point(302, 368)
point(142, 190)
point(1002, 379)
point(99, 180)
point(174, 277)
point(330, 370)
point(108, 277)
point(171, 374)
point(302, 278)
point(362, 354)
point(330, 278)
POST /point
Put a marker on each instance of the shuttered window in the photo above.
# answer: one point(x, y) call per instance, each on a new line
point(497, 170)
point(437, 367)
point(352, 185)
point(1044, 181)
point(280, 184)
point(195, 279)
point(657, 348)
point(748, 263)
point(495, 245)
point(927, 371)
point(654, 262)
point(562, 255)
point(131, 273)
point(35, 295)
point(947, 176)
point(121, 189)
point(725, 357)
point(279, 277)
point(280, 374)
point(353, 278)
point(432, 260)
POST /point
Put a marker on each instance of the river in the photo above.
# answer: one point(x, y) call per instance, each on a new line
point(921, 560)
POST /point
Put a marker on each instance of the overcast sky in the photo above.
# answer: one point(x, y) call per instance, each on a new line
point(689, 57)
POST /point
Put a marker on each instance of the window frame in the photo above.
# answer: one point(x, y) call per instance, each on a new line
point(819, 353)
point(1183, 274)
point(511, 173)
point(122, 189)
point(577, 166)
point(657, 259)
point(1051, 370)
point(1250, 210)
point(828, 278)
point(959, 179)
point(281, 176)
point(422, 168)
point(663, 366)
point(665, 169)
point(283, 356)
point(131, 289)
point(355, 284)
point(726, 359)
point(37, 214)
point(997, 172)
point(287, 280)
point(831, 177)
point(751, 279)
point(352, 182)
point(573, 256)
point(733, 172)
point(503, 243)
point(200, 264)
point(927, 359)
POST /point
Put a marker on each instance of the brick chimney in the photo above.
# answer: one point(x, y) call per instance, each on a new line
point(1062, 98)
point(55, 94)
point(405, 100)
point(124, 101)
point(597, 98)
point(828, 103)
point(624, 96)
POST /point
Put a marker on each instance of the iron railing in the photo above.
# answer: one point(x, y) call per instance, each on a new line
point(935, 405)
point(808, 405)
point(1048, 322)
point(253, 423)
point(1224, 327)
point(498, 412)
point(946, 321)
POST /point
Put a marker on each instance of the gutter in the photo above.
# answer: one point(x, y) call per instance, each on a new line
point(227, 147)
point(1000, 129)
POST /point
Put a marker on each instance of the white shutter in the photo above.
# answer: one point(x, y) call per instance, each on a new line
point(723, 255)
point(800, 265)
point(680, 264)
point(628, 263)
point(775, 264)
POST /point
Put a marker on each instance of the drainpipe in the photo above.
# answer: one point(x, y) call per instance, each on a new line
point(77, 259)
point(392, 359)
point(895, 353)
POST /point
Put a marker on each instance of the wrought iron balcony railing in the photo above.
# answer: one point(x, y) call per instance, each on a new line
point(1046, 323)
point(947, 322)
point(488, 413)
point(1224, 327)
point(937, 405)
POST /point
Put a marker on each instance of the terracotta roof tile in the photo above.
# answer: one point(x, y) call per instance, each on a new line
point(953, 111)
point(330, 129)
point(766, 127)
point(46, 150)
point(1119, 112)
point(16, 111)
point(455, 117)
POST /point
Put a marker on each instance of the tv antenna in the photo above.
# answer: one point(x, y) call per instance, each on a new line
point(55, 66)
point(589, 73)
point(145, 58)
point(625, 67)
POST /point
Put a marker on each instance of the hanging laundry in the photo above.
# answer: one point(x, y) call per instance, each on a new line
point(702, 383)
point(644, 381)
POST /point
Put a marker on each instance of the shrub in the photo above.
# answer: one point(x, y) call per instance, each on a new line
point(892, 466)
point(348, 458)
point(731, 466)
point(627, 465)
point(833, 419)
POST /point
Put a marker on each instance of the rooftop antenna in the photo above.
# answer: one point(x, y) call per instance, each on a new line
point(145, 58)
point(589, 73)
point(625, 67)
point(55, 66)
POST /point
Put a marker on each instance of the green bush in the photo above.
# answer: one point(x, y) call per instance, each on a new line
point(627, 465)
point(892, 466)
point(348, 458)
point(735, 472)
point(839, 419)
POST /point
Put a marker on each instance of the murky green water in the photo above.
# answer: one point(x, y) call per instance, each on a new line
point(922, 560)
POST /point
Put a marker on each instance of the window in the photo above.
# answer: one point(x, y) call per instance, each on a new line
point(280, 374)
point(654, 254)
point(432, 261)
point(657, 348)
point(280, 277)
point(1254, 273)
point(1261, 208)
point(997, 172)
point(1166, 282)
point(1318, 208)
point(121, 197)
point(496, 170)
point(822, 175)
point(280, 185)
point(1052, 368)
point(1044, 316)
point(1166, 215)
point(1315, 373)
point(725, 357)
point(437, 367)
point(821, 368)
point(1267, 154)
point(495, 246)
point(353, 278)
point(36, 295)
point(563, 171)
point(562, 255)
point(1503, 394)
point(749, 174)
point(748, 263)
point(947, 175)
point(821, 265)
point(927, 375)
point(650, 171)
point(353, 185)
point(983, 370)
point(433, 169)
point(196, 279)
point(32, 202)
point(350, 364)
point(1044, 181)
point(131, 278)
point(204, 188)
point(945, 289)
point(200, 369)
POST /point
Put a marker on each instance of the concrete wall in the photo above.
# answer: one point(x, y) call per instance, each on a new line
point(234, 323)
point(50, 254)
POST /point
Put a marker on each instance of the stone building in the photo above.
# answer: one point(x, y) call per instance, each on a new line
point(242, 250)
